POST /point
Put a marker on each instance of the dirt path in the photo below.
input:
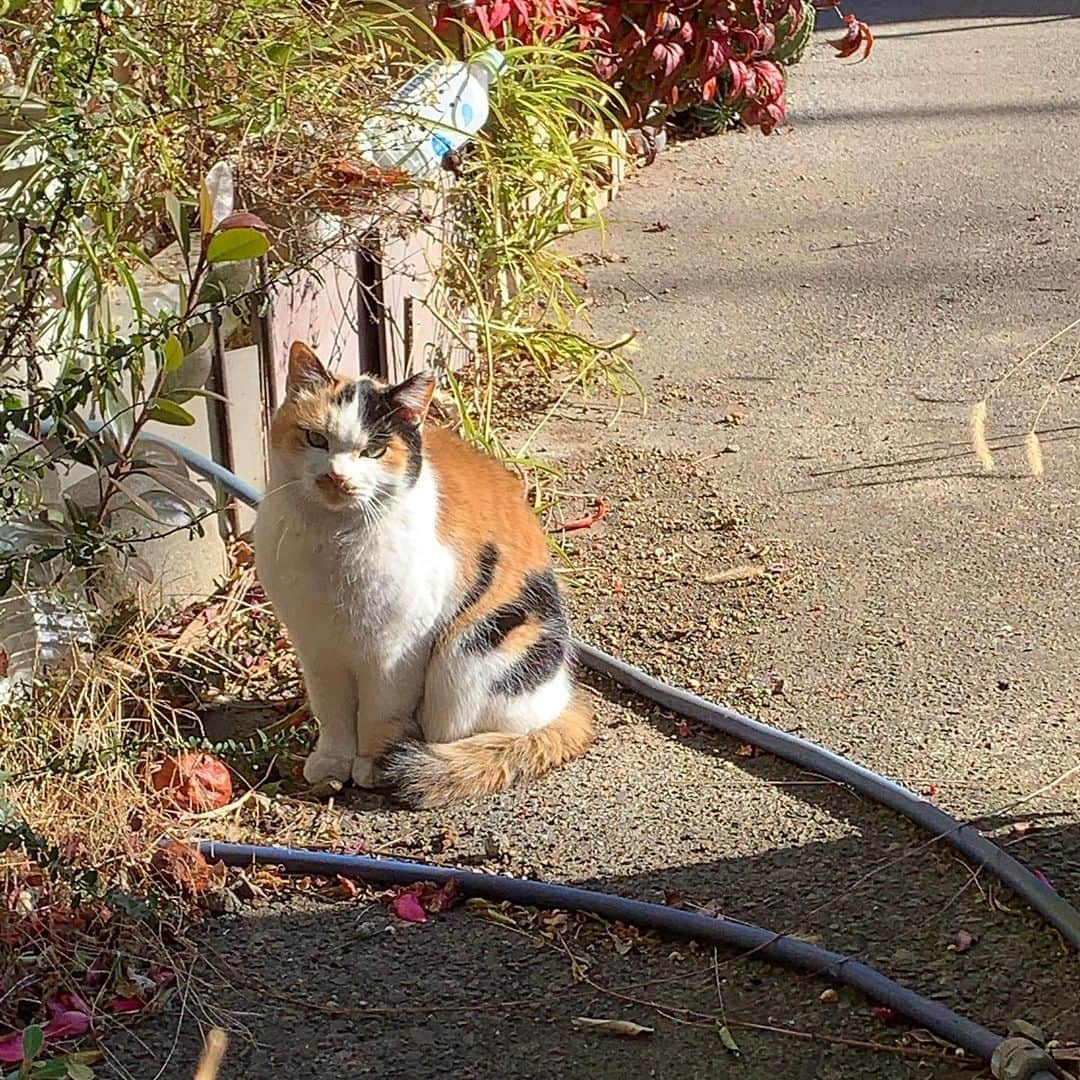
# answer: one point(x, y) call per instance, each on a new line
point(849, 286)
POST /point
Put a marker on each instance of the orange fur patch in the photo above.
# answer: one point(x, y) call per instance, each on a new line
point(430, 775)
point(480, 502)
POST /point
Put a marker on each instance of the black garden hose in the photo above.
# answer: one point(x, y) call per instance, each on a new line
point(1012, 1059)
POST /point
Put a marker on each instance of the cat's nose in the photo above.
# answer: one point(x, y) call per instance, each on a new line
point(337, 479)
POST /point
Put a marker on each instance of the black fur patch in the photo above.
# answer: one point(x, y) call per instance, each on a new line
point(539, 598)
point(379, 416)
point(539, 663)
point(486, 563)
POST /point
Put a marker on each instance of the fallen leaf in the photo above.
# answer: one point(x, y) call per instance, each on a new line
point(11, 1048)
point(193, 782)
point(745, 572)
point(682, 729)
point(728, 1040)
point(962, 941)
point(70, 1017)
point(4, 665)
point(487, 910)
point(746, 750)
point(183, 866)
point(408, 908)
point(713, 908)
point(674, 898)
point(1021, 828)
point(125, 1004)
point(623, 1029)
point(885, 1014)
point(348, 886)
point(930, 790)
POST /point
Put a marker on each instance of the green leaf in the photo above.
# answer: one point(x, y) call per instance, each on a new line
point(78, 1071)
point(728, 1040)
point(234, 245)
point(168, 412)
point(33, 1039)
point(55, 1069)
point(173, 353)
point(177, 217)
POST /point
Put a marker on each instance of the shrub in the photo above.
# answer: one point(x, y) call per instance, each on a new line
point(668, 56)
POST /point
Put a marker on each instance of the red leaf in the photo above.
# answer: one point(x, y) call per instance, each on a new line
point(408, 908)
point(885, 1014)
point(4, 665)
point(126, 1004)
point(587, 521)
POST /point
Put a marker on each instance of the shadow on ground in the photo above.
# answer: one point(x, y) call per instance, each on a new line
point(337, 990)
point(883, 12)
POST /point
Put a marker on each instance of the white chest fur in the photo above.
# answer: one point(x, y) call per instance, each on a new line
point(370, 594)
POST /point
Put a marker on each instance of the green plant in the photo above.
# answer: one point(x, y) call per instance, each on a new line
point(129, 267)
point(532, 177)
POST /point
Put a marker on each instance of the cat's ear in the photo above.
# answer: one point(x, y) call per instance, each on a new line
point(412, 397)
point(306, 371)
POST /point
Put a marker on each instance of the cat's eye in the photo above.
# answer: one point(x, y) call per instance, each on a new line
point(374, 450)
point(317, 439)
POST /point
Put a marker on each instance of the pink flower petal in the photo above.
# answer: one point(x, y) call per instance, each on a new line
point(67, 1025)
point(125, 1004)
point(407, 907)
point(11, 1048)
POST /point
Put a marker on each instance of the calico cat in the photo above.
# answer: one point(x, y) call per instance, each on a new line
point(417, 588)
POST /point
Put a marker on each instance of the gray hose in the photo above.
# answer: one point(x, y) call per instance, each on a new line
point(744, 937)
point(964, 838)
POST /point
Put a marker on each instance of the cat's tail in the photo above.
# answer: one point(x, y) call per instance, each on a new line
point(429, 775)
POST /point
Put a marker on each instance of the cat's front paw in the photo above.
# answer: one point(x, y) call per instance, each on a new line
point(322, 766)
point(365, 773)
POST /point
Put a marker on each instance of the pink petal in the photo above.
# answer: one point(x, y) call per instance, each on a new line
point(67, 1002)
point(125, 1004)
point(407, 907)
point(11, 1048)
point(67, 1025)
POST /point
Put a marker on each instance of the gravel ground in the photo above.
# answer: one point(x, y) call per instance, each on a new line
point(816, 317)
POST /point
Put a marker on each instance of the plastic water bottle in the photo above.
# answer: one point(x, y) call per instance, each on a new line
point(438, 110)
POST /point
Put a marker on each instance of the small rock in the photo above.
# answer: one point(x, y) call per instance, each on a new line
point(830, 996)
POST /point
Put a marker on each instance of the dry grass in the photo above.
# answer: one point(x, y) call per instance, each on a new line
point(1032, 446)
point(978, 435)
point(81, 821)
